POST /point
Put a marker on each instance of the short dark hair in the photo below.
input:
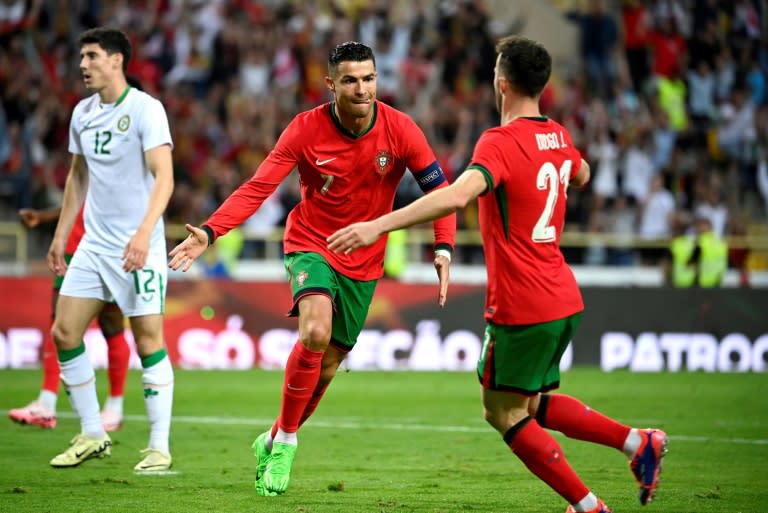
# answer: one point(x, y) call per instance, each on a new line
point(111, 40)
point(349, 51)
point(526, 64)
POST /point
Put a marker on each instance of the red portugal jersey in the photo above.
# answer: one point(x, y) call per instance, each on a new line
point(345, 178)
point(78, 230)
point(528, 164)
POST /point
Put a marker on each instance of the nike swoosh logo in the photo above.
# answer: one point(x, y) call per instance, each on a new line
point(290, 387)
point(319, 162)
point(99, 450)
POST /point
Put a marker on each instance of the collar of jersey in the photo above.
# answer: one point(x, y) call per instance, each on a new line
point(350, 133)
point(119, 100)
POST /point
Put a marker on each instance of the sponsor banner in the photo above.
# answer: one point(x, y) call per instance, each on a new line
point(647, 329)
point(215, 324)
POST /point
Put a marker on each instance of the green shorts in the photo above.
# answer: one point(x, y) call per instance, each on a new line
point(525, 359)
point(58, 280)
point(310, 273)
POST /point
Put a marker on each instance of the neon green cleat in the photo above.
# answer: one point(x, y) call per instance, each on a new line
point(261, 452)
point(278, 471)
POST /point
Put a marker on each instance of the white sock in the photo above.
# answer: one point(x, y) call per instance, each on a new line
point(47, 400)
point(114, 403)
point(286, 438)
point(268, 440)
point(632, 443)
point(588, 503)
point(80, 382)
point(158, 398)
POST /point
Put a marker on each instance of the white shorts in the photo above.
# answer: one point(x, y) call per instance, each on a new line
point(98, 276)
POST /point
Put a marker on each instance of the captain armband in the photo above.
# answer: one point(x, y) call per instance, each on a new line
point(430, 177)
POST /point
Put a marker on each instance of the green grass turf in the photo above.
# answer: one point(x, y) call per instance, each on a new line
point(394, 443)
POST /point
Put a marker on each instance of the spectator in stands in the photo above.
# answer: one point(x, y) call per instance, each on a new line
point(711, 206)
point(710, 256)
point(637, 24)
point(699, 258)
point(598, 36)
point(656, 215)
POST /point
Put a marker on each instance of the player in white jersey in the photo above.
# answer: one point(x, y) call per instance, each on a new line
point(122, 167)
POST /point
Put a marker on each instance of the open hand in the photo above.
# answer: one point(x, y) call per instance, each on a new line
point(184, 254)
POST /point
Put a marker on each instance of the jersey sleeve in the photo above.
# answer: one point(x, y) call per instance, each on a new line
point(421, 160)
point(244, 201)
point(485, 159)
point(154, 129)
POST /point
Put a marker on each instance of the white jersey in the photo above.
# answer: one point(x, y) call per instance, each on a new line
point(112, 139)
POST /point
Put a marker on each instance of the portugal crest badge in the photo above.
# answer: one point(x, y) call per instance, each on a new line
point(383, 162)
point(301, 278)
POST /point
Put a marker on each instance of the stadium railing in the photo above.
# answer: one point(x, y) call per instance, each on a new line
point(16, 258)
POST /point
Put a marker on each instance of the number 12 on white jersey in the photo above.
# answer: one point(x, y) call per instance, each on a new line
point(549, 179)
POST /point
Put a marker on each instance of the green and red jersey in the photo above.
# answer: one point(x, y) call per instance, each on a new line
point(345, 178)
point(528, 164)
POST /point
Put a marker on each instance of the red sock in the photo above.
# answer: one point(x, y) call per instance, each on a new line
point(542, 455)
point(118, 356)
point(576, 420)
point(50, 362)
point(308, 411)
point(312, 404)
point(302, 371)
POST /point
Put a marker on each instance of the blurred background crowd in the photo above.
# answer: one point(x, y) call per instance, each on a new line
point(667, 99)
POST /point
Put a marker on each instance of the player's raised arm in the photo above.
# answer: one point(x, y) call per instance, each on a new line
point(239, 206)
point(437, 204)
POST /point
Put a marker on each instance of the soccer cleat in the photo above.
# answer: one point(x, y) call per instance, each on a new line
point(261, 452)
point(277, 474)
point(83, 447)
point(646, 463)
point(154, 461)
point(34, 414)
point(111, 420)
point(601, 508)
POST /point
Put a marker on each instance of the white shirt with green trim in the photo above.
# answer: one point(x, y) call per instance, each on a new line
point(113, 139)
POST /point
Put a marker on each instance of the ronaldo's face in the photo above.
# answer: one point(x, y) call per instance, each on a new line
point(97, 66)
point(354, 88)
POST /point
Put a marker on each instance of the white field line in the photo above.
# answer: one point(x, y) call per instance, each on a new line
point(347, 423)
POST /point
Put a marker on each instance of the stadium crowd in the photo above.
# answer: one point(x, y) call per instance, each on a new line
point(668, 100)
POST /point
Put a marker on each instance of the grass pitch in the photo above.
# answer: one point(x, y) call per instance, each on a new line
point(393, 442)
